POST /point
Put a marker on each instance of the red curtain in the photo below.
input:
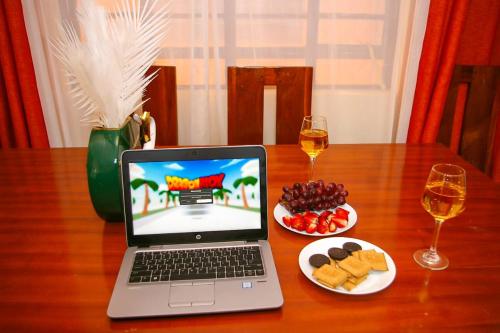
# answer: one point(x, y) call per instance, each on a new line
point(458, 32)
point(441, 41)
point(21, 118)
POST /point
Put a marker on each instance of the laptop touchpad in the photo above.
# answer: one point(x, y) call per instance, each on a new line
point(191, 294)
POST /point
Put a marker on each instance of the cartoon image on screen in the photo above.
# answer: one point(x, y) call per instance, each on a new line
point(195, 196)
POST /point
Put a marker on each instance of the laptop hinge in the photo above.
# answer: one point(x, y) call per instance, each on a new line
point(148, 247)
point(252, 241)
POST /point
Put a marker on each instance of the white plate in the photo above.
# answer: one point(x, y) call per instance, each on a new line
point(376, 280)
point(280, 211)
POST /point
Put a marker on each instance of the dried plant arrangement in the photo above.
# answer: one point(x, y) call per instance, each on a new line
point(106, 58)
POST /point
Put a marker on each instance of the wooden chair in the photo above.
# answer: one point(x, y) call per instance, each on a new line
point(470, 115)
point(245, 91)
point(161, 95)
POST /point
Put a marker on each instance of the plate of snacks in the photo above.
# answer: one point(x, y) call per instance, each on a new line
point(315, 209)
point(347, 265)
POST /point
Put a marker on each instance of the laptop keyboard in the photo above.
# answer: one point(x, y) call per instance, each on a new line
point(195, 264)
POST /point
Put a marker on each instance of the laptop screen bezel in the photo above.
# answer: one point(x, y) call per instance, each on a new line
point(190, 154)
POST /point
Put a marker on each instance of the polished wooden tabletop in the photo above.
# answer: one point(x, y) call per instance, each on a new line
point(59, 261)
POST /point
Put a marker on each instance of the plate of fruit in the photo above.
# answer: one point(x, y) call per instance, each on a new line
point(315, 209)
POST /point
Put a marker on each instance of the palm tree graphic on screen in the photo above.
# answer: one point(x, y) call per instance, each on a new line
point(245, 181)
point(222, 194)
point(175, 198)
point(138, 182)
point(168, 196)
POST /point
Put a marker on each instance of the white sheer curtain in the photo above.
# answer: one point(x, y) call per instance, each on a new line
point(364, 54)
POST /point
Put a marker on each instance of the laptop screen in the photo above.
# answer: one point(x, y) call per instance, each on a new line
point(192, 195)
point(186, 196)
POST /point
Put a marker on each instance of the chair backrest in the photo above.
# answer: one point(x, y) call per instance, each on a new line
point(161, 102)
point(245, 90)
point(471, 113)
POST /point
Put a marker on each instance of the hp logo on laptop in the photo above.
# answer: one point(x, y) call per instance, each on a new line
point(198, 236)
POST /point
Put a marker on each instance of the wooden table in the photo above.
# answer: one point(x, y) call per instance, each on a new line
point(59, 261)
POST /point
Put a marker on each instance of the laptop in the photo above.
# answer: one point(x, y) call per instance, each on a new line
point(197, 234)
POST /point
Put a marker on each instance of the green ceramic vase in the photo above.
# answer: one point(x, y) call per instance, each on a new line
point(103, 169)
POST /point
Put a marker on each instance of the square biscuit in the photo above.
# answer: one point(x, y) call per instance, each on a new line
point(375, 259)
point(355, 254)
point(352, 282)
point(330, 276)
point(355, 266)
point(356, 280)
point(326, 284)
point(348, 285)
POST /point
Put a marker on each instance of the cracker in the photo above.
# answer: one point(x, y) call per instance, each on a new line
point(330, 276)
point(375, 259)
point(355, 266)
point(348, 285)
point(379, 263)
point(357, 281)
point(352, 282)
point(355, 254)
point(326, 284)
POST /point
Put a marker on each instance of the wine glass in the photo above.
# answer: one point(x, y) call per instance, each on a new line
point(313, 138)
point(443, 198)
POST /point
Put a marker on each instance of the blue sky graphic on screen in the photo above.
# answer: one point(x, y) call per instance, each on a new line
point(195, 196)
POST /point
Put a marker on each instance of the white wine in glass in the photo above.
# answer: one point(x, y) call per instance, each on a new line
point(313, 138)
point(443, 198)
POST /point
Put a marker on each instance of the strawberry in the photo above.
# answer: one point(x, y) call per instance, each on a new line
point(287, 220)
point(342, 213)
point(301, 226)
point(323, 221)
point(297, 222)
point(307, 212)
point(325, 213)
point(311, 228)
point(329, 218)
point(311, 219)
point(322, 228)
point(339, 221)
point(332, 226)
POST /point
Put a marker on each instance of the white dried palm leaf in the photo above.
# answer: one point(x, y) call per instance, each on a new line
point(106, 67)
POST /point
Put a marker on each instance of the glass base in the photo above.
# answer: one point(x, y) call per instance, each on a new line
point(431, 260)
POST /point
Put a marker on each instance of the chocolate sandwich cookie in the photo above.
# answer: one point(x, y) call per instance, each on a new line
point(336, 253)
point(318, 260)
point(351, 247)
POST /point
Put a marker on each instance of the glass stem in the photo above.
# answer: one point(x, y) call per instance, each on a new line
point(311, 169)
point(435, 237)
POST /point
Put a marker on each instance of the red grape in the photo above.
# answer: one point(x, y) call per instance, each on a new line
point(315, 195)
